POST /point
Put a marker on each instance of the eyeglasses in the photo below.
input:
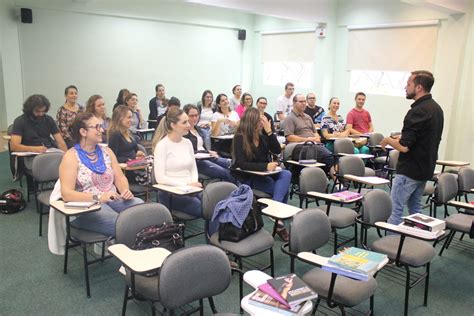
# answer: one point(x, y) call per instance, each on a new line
point(311, 98)
point(262, 103)
point(98, 127)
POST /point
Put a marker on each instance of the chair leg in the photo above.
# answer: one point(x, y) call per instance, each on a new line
point(343, 311)
point(86, 269)
point(40, 219)
point(371, 305)
point(427, 281)
point(450, 239)
point(213, 306)
point(241, 285)
point(201, 308)
point(355, 234)
point(315, 308)
point(335, 241)
point(446, 242)
point(66, 253)
point(153, 310)
point(407, 290)
point(125, 301)
point(272, 263)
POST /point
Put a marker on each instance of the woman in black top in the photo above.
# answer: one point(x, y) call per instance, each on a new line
point(121, 140)
point(253, 146)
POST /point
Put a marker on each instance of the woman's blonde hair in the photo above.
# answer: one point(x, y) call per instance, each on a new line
point(164, 128)
point(120, 113)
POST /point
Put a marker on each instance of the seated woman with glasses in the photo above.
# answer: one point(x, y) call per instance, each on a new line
point(89, 172)
point(174, 162)
point(216, 167)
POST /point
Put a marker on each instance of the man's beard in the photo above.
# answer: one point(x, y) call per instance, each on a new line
point(410, 96)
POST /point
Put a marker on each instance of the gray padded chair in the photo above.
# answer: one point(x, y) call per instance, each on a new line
point(404, 250)
point(380, 156)
point(354, 166)
point(446, 190)
point(187, 275)
point(391, 166)
point(254, 244)
point(343, 146)
point(314, 179)
point(309, 231)
point(465, 182)
point(45, 170)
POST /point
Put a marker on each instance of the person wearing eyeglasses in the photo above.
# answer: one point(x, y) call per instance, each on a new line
point(314, 111)
point(89, 172)
point(261, 106)
point(216, 167)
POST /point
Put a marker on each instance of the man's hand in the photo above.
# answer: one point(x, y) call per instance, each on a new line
point(385, 142)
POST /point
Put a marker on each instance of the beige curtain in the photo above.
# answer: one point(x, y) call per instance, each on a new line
point(460, 137)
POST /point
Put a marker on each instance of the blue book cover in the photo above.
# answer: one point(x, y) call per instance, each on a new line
point(359, 260)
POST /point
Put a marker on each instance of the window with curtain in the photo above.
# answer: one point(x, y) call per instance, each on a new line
point(288, 57)
point(380, 59)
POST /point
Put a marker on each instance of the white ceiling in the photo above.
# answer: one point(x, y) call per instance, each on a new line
point(306, 10)
point(320, 10)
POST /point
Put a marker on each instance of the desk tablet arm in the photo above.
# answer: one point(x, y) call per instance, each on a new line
point(139, 261)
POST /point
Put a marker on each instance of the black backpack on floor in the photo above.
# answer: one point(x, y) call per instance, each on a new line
point(12, 201)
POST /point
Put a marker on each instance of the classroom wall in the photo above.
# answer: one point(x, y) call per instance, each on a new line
point(102, 50)
point(11, 86)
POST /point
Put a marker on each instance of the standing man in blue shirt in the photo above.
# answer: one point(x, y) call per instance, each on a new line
point(418, 145)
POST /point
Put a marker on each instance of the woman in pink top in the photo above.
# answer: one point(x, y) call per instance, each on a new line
point(89, 172)
point(246, 102)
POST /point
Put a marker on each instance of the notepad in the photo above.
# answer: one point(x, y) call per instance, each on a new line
point(79, 204)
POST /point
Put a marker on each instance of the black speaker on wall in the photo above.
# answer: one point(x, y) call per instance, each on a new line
point(26, 15)
point(242, 35)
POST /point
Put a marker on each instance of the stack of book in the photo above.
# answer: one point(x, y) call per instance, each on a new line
point(356, 263)
point(346, 195)
point(285, 295)
point(422, 226)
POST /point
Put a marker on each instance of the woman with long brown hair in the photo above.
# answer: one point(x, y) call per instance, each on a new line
point(174, 162)
point(253, 146)
point(96, 106)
